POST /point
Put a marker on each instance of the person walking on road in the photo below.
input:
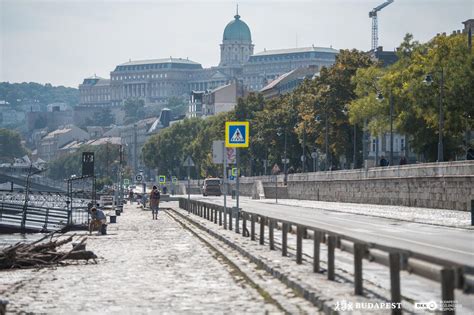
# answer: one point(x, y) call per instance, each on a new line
point(155, 202)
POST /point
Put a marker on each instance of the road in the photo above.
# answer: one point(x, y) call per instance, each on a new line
point(452, 244)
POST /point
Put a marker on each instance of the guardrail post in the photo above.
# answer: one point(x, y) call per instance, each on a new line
point(395, 290)
point(299, 244)
point(212, 213)
point(220, 216)
point(237, 218)
point(224, 214)
point(284, 239)
point(244, 224)
point(331, 242)
point(447, 290)
point(359, 252)
point(270, 234)
point(262, 230)
point(252, 227)
point(472, 212)
point(216, 209)
point(316, 250)
point(230, 219)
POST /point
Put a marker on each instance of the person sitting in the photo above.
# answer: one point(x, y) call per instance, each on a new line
point(383, 161)
point(97, 220)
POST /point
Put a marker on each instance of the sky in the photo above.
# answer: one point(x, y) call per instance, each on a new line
point(63, 41)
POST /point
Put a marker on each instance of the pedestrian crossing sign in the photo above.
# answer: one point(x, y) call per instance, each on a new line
point(237, 134)
point(162, 179)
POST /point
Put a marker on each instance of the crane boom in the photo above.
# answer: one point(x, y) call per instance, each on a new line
point(375, 27)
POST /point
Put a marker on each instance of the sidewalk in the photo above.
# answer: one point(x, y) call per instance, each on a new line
point(144, 266)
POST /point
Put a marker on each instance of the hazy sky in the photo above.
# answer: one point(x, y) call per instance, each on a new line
point(63, 41)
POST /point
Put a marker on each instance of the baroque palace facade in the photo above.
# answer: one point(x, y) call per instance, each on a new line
point(156, 80)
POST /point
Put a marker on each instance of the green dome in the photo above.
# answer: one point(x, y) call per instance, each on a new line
point(237, 30)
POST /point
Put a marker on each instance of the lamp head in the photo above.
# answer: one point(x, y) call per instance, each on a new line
point(428, 79)
point(380, 97)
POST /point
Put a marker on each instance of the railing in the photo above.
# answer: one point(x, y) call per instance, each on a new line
point(449, 274)
point(44, 211)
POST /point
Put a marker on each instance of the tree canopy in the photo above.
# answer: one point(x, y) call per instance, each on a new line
point(10, 145)
point(18, 93)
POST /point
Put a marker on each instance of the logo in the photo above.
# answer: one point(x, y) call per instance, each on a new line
point(237, 134)
point(431, 305)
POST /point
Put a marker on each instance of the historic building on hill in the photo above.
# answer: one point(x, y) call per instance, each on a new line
point(157, 80)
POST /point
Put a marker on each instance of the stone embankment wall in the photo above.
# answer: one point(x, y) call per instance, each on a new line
point(448, 185)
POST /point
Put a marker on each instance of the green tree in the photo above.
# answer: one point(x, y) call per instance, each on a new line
point(416, 105)
point(134, 110)
point(106, 159)
point(10, 145)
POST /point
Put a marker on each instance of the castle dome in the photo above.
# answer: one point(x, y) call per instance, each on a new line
point(237, 30)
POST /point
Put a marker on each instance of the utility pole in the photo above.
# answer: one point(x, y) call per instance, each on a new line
point(135, 161)
point(326, 140)
point(303, 157)
point(441, 118)
point(354, 156)
point(391, 128)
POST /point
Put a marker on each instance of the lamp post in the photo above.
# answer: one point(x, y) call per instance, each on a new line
point(381, 98)
point(326, 138)
point(428, 81)
point(285, 161)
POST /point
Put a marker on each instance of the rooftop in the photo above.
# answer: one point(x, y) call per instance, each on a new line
point(157, 61)
point(296, 50)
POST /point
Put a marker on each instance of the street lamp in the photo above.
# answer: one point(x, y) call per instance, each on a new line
point(285, 160)
point(429, 81)
point(326, 139)
point(380, 98)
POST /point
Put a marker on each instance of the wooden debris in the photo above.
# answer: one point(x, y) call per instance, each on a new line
point(42, 253)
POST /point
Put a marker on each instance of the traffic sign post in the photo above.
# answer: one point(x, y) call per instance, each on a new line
point(237, 135)
point(188, 163)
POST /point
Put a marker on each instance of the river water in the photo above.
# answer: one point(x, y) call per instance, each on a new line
point(10, 239)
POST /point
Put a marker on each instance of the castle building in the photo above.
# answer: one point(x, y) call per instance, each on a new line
point(157, 80)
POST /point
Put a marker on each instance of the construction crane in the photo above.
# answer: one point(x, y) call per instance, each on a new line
point(375, 25)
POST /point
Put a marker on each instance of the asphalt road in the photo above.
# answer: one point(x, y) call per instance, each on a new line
point(452, 244)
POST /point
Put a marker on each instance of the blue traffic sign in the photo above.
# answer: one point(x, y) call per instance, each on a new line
point(237, 134)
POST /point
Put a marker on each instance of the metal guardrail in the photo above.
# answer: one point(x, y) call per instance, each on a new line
point(44, 211)
point(450, 275)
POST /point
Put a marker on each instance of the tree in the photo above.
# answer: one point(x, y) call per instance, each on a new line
point(326, 99)
point(416, 105)
point(19, 93)
point(178, 105)
point(134, 110)
point(10, 145)
point(106, 159)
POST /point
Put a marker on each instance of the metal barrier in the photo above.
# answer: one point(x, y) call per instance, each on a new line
point(449, 274)
point(44, 211)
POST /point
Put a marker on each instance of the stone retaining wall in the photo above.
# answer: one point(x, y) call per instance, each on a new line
point(447, 185)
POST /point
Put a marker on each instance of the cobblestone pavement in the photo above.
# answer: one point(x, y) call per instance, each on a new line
point(144, 266)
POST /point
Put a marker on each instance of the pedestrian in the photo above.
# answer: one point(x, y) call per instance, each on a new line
point(383, 161)
point(154, 202)
point(164, 189)
point(403, 160)
point(98, 220)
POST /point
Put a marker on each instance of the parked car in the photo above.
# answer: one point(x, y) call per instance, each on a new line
point(211, 186)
